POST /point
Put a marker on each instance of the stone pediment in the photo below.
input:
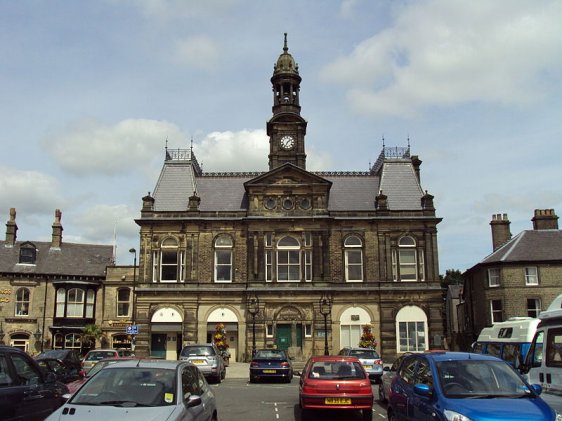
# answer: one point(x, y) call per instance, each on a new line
point(288, 191)
point(287, 175)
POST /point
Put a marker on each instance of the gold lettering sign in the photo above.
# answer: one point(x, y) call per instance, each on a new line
point(5, 291)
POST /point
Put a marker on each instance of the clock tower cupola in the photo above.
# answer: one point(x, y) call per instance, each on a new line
point(286, 128)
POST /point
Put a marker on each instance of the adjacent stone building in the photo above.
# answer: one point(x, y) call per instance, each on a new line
point(520, 278)
point(49, 291)
point(289, 258)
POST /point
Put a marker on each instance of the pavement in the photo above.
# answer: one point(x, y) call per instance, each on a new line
point(236, 370)
point(239, 370)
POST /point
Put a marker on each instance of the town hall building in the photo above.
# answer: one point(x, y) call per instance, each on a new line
point(288, 258)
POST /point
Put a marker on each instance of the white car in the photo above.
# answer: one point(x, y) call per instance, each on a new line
point(142, 389)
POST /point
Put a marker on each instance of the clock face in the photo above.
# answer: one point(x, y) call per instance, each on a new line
point(287, 143)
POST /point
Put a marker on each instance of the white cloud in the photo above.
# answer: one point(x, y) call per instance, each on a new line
point(99, 223)
point(180, 9)
point(198, 51)
point(89, 147)
point(443, 52)
point(30, 192)
point(246, 150)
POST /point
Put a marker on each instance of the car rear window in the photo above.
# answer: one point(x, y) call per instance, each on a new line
point(369, 354)
point(197, 350)
point(336, 370)
point(274, 355)
point(100, 355)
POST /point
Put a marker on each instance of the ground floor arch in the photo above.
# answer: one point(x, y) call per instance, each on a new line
point(411, 329)
point(166, 326)
point(229, 320)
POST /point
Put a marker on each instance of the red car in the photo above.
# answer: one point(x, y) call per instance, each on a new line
point(335, 383)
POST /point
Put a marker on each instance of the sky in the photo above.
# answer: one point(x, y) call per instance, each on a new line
point(91, 91)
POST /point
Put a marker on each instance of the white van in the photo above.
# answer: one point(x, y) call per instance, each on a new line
point(509, 340)
point(543, 364)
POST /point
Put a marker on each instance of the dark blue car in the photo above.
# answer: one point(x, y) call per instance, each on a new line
point(459, 386)
point(27, 393)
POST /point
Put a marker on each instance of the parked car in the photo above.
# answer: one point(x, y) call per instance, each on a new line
point(370, 359)
point(75, 385)
point(26, 392)
point(95, 355)
point(142, 390)
point(70, 358)
point(387, 376)
point(335, 383)
point(463, 386)
point(207, 358)
point(59, 369)
point(271, 364)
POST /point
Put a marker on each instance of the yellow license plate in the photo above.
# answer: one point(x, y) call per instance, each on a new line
point(368, 366)
point(198, 361)
point(337, 401)
point(270, 371)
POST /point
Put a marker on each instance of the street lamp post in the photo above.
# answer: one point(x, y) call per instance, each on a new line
point(134, 251)
point(325, 310)
point(38, 337)
point(253, 306)
point(2, 334)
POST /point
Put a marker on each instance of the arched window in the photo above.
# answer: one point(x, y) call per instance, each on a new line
point(288, 260)
point(123, 302)
point(407, 264)
point(75, 303)
point(73, 340)
point(168, 263)
point(411, 329)
point(353, 259)
point(223, 258)
point(22, 302)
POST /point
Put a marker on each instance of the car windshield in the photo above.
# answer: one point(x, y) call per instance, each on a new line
point(365, 354)
point(197, 350)
point(270, 355)
point(128, 387)
point(58, 354)
point(336, 370)
point(480, 379)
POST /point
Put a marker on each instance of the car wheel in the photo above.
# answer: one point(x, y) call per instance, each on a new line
point(223, 374)
point(390, 416)
point(252, 379)
point(218, 379)
point(382, 398)
point(367, 414)
point(305, 414)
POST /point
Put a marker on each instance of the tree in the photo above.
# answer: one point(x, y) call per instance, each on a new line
point(367, 338)
point(219, 338)
point(92, 333)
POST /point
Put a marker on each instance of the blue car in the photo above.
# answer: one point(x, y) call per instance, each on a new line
point(460, 386)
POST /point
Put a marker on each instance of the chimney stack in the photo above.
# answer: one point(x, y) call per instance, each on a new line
point(11, 229)
point(500, 230)
point(57, 231)
point(545, 219)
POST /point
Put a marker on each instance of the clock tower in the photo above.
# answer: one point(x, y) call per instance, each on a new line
point(286, 128)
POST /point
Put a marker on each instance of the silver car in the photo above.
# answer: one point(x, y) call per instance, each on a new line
point(140, 389)
point(370, 360)
point(207, 358)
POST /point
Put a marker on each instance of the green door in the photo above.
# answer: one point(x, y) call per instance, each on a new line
point(158, 345)
point(283, 337)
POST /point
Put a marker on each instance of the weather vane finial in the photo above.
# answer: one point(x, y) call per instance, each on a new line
point(285, 48)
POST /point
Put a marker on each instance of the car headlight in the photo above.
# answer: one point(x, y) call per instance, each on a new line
point(455, 416)
point(558, 416)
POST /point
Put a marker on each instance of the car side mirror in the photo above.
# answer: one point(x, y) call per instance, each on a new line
point(50, 377)
point(537, 388)
point(422, 389)
point(192, 400)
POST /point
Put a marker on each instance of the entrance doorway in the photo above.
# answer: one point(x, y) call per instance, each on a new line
point(287, 337)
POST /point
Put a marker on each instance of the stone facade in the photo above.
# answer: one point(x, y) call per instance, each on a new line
point(279, 252)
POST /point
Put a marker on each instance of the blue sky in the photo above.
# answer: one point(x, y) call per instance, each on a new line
point(91, 90)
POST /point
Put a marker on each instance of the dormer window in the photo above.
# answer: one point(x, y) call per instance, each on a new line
point(28, 254)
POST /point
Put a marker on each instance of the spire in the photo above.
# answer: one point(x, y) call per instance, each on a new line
point(285, 48)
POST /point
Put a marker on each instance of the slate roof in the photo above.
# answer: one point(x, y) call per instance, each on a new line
point(529, 246)
point(70, 260)
point(349, 191)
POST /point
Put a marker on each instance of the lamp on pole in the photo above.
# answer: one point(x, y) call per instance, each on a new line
point(325, 310)
point(253, 306)
point(2, 334)
point(134, 251)
point(38, 335)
